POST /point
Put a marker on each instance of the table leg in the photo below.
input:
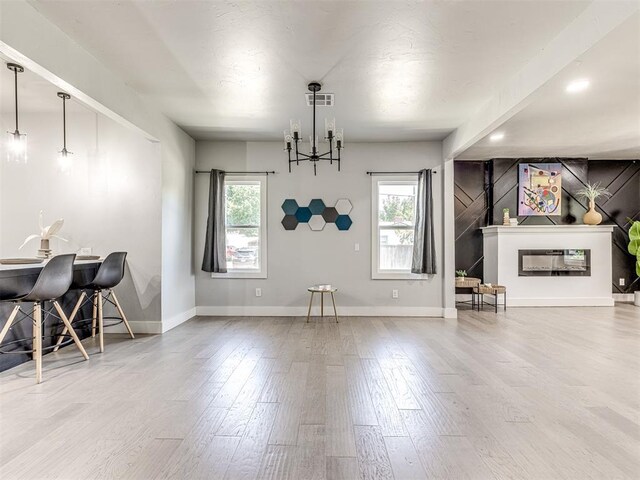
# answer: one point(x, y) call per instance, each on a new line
point(310, 303)
point(505, 301)
point(37, 340)
point(322, 304)
point(495, 301)
point(335, 312)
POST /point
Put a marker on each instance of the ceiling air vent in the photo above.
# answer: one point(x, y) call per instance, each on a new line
point(322, 99)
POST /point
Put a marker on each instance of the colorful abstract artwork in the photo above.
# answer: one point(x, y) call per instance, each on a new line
point(539, 189)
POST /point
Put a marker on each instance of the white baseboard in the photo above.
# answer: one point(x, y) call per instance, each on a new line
point(154, 328)
point(623, 297)
point(175, 320)
point(365, 311)
point(560, 302)
point(138, 326)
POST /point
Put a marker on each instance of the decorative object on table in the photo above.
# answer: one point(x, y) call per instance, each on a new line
point(460, 275)
point(539, 189)
point(513, 222)
point(20, 261)
point(322, 289)
point(17, 145)
point(505, 217)
point(591, 192)
point(293, 137)
point(64, 156)
point(317, 214)
point(46, 234)
point(634, 249)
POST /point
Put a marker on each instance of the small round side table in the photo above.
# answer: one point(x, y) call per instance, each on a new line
point(322, 289)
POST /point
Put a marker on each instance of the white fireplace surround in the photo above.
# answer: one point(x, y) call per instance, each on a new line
point(502, 243)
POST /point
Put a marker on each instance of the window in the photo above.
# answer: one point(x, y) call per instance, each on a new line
point(393, 220)
point(246, 226)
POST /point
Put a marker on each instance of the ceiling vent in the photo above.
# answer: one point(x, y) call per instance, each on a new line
point(322, 99)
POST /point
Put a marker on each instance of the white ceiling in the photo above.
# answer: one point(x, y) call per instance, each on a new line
point(35, 94)
point(602, 122)
point(238, 70)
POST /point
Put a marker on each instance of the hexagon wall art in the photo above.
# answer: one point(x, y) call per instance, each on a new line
point(317, 214)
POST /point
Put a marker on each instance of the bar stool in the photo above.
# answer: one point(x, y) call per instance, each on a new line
point(53, 282)
point(109, 275)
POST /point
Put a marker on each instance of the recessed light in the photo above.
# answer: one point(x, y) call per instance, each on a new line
point(496, 136)
point(577, 86)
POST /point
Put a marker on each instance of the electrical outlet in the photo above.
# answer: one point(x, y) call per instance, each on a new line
point(85, 251)
point(394, 293)
point(621, 282)
point(258, 292)
point(356, 247)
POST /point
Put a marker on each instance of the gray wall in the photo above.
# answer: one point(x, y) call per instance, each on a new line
point(302, 257)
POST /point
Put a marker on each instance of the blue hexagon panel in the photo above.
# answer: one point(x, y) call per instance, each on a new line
point(343, 222)
point(303, 214)
point(316, 214)
point(290, 206)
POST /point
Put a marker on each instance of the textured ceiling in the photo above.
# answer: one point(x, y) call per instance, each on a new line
point(239, 70)
point(602, 122)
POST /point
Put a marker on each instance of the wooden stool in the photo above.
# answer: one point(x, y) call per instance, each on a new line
point(322, 289)
point(495, 290)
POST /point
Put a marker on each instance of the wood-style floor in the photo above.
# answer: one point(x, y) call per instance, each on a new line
point(531, 394)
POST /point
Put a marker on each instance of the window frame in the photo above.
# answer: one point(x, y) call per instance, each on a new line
point(376, 273)
point(262, 229)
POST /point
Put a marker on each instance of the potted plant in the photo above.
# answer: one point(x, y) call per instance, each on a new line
point(590, 192)
point(461, 275)
point(634, 249)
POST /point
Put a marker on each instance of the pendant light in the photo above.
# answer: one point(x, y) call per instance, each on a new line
point(17, 142)
point(64, 156)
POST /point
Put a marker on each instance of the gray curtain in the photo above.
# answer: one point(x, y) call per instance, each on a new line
point(215, 245)
point(424, 250)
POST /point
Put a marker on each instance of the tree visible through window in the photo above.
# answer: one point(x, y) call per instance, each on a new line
point(243, 224)
point(396, 219)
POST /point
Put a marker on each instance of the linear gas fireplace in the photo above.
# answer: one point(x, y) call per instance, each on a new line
point(553, 263)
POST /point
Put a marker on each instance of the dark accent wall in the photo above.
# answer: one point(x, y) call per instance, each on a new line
point(484, 188)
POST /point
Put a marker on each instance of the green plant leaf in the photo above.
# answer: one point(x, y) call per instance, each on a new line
point(634, 231)
point(638, 266)
point(634, 247)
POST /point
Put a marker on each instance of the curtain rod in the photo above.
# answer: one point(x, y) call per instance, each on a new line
point(241, 173)
point(397, 173)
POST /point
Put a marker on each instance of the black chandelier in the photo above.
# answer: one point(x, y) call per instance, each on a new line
point(294, 136)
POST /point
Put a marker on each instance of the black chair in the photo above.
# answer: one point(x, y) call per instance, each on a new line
point(53, 282)
point(109, 275)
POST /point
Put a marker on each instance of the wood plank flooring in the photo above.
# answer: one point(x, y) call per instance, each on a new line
point(527, 394)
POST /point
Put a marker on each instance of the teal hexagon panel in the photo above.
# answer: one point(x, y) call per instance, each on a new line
point(317, 214)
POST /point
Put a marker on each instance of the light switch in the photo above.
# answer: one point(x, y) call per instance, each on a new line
point(356, 247)
point(258, 292)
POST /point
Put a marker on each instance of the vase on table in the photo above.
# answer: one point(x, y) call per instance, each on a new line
point(44, 251)
point(592, 217)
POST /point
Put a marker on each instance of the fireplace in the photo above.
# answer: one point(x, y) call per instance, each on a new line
point(573, 262)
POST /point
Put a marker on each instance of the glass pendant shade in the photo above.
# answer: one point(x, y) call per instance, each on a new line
point(16, 147)
point(296, 127)
point(65, 161)
point(329, 128)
